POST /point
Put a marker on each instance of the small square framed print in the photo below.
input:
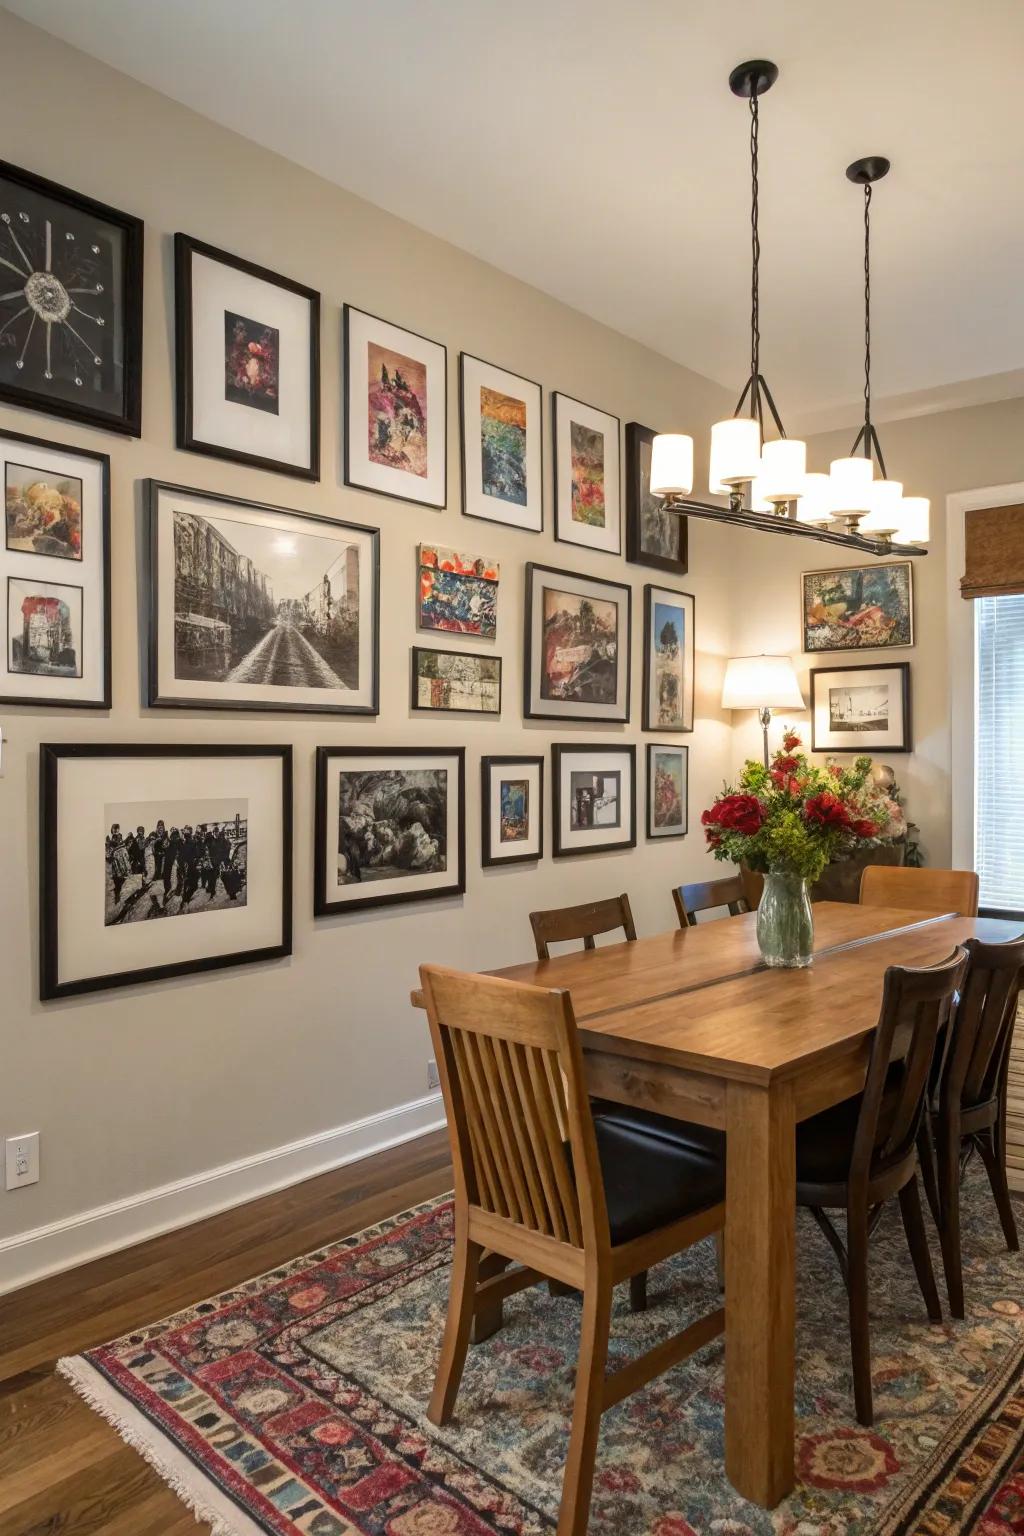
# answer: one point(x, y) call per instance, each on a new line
point(248, 362)
point(512, 810)
point(653, 536)
point(861, 709)
point(594, 797)
point(502, 457)
point(667, 790)
point(396, 410)
point(587, 505)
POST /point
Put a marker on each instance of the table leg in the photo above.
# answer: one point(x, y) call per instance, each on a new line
point(759, 1290)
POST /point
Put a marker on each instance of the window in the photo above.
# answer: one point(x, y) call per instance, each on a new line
point(999, 752)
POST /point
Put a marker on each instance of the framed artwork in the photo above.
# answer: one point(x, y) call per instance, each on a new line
point(248, 362)
point(587, 509)
point(667, 790)
point(453, 680)
point(512, 810)
point(861, 709)
point(259, 607)
point(594, 798)
point(458, 593)
point(577, 646)
point(396, 410)
point(858, 607)
point(55, 574)
point(390, 826)
point(502, 457)
point(71, 310)
point(132, 834)
point(653, 536)
point(668, 660)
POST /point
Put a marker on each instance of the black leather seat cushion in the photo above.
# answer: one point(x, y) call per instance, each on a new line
point(824, 1144)
point(650, 1181)
point(700, 1138)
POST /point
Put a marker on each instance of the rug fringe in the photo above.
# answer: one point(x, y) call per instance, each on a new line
point(195, 1491)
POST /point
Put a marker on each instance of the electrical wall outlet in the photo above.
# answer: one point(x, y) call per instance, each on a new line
point(433, 1076)
point(22, 1158)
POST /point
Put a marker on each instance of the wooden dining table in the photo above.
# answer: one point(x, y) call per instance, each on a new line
point(692, 1024)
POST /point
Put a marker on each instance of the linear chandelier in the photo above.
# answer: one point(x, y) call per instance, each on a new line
point(767, 482)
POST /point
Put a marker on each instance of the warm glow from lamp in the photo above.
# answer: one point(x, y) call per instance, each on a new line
point(735, 450)
point(815, 505)
point(672, 464)
point(851, 486)
point(758, 500)
point(783, 469)
point(884, 514)
point(761, 682)
point(914, 519)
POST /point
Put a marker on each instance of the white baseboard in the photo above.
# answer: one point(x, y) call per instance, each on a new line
point(30, 1256)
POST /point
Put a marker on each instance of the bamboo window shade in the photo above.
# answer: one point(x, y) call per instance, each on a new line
point(994, 549)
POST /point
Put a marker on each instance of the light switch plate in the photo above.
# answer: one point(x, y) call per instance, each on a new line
point(22, 1159)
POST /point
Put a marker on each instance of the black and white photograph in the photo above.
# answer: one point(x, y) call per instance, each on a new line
point(248, 362)
point(175, 858)
point(134, 837)
point(390, 826)
point(653, 536)
point(55, 574)
point(260, 608)
point(512, 810)
point(70, 304)
point(577, 646)
point(861, 709)
point(594, 796)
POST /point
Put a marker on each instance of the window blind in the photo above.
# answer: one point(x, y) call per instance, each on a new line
point(993, 552)
point(999, 751)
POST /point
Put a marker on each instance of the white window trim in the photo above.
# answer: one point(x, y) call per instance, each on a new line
point(962, 663)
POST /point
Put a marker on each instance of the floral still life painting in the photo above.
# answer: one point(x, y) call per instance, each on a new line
point(458, 592)
point(587, 445)
point(43, 513)
point(251, 363)
point(860, 607)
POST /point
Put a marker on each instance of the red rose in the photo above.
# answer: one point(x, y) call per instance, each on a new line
point(790, 741)
point(836, 770)
point(864, 828)
point(784, 764)
point(827, 810)
point(736, 813)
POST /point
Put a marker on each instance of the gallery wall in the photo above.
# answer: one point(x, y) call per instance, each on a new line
point(192, 1087)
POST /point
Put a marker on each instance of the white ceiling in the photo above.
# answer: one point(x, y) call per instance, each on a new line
point(592, 148)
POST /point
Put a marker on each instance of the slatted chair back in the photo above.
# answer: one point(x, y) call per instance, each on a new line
point(983, 1024)
point(930, 890)
point(511, 1072)
point(583, 922)
point(705, 895)
point(916, 1005)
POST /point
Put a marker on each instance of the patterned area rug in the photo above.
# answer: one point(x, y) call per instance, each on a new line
point(294, 1404)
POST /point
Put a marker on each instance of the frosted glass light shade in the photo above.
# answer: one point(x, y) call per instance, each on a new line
point(783, 469)
point(851, 486)
point(884, 514)
point(758, 500)
point(672, 464)
point(759, 682)
point(815, 505)
point(735, 450)
point(914, 520)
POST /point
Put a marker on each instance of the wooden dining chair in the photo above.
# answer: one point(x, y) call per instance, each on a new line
point(583, 922)
point(968, 1107)
point(930, 890)
point(540, 1183)
point(706, 895)
point(858, 1154)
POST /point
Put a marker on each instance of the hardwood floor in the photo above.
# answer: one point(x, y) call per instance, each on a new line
point(63, 1471)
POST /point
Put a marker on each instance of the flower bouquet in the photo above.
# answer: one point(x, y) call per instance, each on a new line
point(788, 821)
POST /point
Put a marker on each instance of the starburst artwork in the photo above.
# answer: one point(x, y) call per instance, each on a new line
point(70, 303)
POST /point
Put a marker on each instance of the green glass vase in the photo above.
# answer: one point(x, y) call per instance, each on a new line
point(785, 922)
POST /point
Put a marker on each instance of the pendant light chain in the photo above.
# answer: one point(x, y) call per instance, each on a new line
point(867, 320)
point(755, 253)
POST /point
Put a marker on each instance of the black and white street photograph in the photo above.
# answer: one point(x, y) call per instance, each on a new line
point(173, 859)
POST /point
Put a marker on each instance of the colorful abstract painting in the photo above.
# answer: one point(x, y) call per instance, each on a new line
point(515, 810)
point(668, 632)
point(858, 608)
point(251, 353)
point(503, 445)
point(44, 628)
point(43, 513)
point(449, 680)
point(667, 796)
point(396, 410)
point(458, 592)
point(587, 453)
point(580, 648)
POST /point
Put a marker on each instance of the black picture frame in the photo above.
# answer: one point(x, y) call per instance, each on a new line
point(906, 717)
point(853, 572)
point(322, 907)
point(185, 247)
point(683, 751)
point(348, 310)
point(559, 750)
point(50, 757)
point(154, 699)
point(129, 419)
point(560, 401)
point(487, 766)
point(522, 379)
point(647, 722)
point(636, 437)
point(430, 709)
point(103, 460)
point(624, 593)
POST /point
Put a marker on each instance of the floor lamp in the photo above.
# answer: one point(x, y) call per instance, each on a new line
point(763, 683)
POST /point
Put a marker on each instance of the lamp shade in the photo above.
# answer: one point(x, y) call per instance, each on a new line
point(671, 464)
point(884, 514)
point(758, 682)
point(914, 520)
point(735, 450)
point(758, 500)
point(815, 505)
point(783, 469)
point(851, 486)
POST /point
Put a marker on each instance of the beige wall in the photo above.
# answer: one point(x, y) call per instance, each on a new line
point(144, 1085)
point(933, 455)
